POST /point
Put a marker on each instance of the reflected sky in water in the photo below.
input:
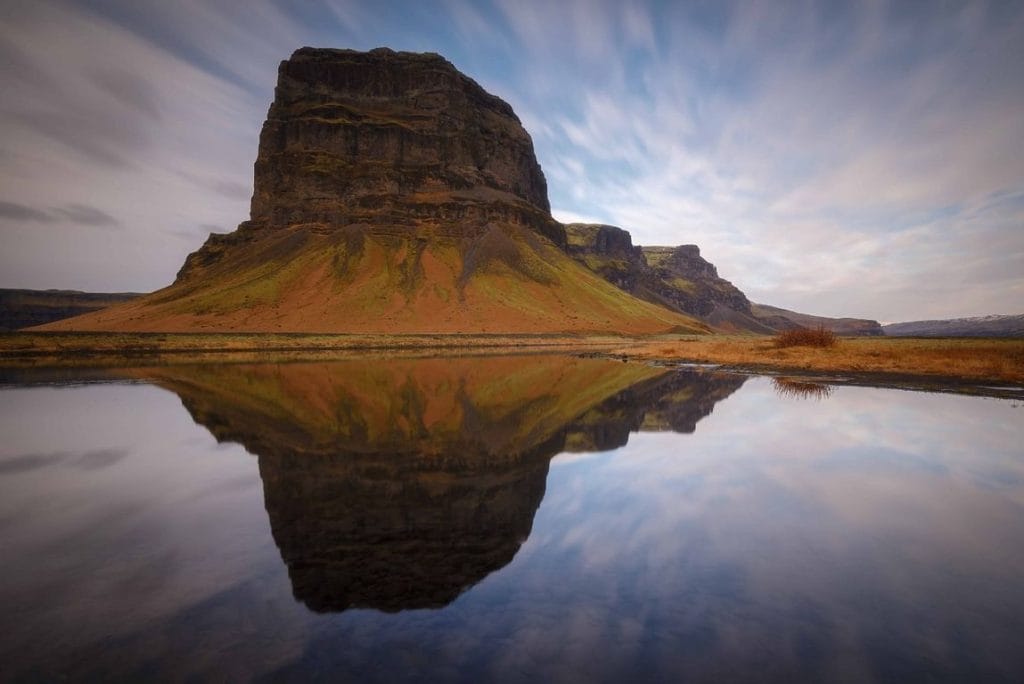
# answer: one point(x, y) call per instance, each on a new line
point(738, 532)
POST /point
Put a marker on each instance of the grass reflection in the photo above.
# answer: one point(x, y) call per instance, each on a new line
point(789, 388)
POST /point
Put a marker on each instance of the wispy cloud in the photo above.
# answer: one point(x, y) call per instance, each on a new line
point(89, 460)
point(19, 212)
point(131, 90)
point(803, 151)
point(78, 214)
point(85, 215)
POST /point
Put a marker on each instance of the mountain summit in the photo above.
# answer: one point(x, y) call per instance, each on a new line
point(392, 194)
point(397, 141)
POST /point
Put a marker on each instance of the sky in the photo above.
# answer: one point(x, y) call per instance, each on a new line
point(843, 159)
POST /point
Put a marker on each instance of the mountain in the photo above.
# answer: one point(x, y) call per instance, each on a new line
point(980, 326)
point(775, 316)
point(677, 278)
point(392, 194)
point(25, 308)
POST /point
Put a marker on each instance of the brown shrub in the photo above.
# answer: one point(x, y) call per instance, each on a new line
point(806, 337)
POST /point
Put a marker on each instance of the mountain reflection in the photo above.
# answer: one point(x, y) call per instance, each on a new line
point(397, 484)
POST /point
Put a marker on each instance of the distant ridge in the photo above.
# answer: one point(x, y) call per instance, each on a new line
point(978, 326)
point(21, 308)
point(840, 326)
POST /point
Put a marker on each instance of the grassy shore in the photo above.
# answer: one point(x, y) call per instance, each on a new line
point(44, 349)
point(974, 360)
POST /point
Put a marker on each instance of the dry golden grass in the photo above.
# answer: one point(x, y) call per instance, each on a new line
point(28, 349)
point(989, 360)
point(985, 360)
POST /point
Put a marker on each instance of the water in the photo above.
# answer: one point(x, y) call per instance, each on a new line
point(531, 518)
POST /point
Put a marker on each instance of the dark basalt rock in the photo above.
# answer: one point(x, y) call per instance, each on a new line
point(608, 251)
point(690, 282)
point(675, 277)
point(353, 136)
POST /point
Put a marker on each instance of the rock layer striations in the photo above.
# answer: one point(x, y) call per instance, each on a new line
point(395, 141)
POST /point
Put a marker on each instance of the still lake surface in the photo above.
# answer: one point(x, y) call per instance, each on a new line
point(530, 518)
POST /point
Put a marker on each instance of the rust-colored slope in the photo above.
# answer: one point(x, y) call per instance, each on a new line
point(506, 280)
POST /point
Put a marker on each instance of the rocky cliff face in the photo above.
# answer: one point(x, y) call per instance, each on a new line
point(608, 251)
point(675, 277)
point(691, 282)
point(352, 134)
